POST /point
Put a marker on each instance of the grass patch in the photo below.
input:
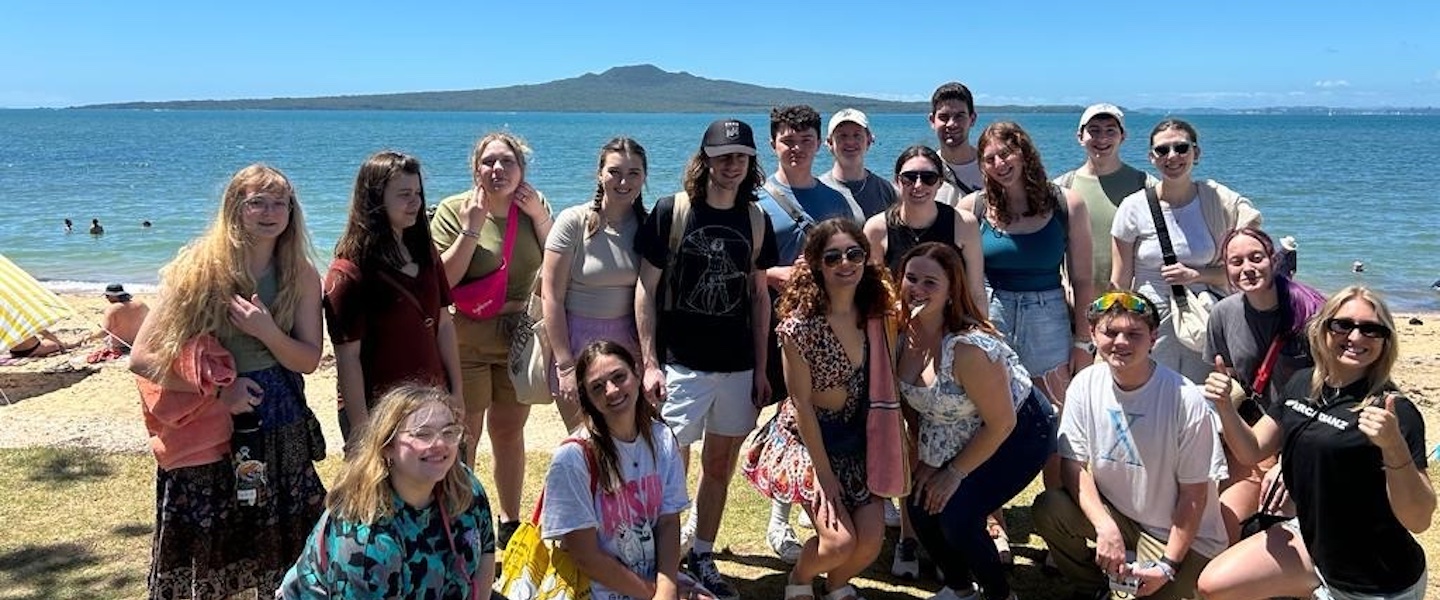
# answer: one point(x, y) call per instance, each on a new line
point(78, 525)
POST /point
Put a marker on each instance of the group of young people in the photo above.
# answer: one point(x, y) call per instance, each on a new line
point(989, 304)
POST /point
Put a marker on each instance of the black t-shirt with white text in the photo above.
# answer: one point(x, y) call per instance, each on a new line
point(1337, 479)
point(707, 328)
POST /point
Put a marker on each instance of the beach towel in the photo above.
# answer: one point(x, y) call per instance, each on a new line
point(886, 470)
point(188, 424)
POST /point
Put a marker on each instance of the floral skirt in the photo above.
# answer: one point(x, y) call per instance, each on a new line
point(778, 465)
point(206, 545)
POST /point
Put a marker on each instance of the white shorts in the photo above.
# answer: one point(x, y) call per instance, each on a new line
point(700, 402)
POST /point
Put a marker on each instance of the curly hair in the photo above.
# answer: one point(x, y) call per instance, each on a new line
point(1040, 197)
point(798, 118)
point(961, 314)
point(805, 295)
point(696, 178)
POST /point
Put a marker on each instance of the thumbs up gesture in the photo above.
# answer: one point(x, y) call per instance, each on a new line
point(1221, 387)
point(1378, 422)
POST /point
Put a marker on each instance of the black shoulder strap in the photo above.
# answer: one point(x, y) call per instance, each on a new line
point(1162, 232)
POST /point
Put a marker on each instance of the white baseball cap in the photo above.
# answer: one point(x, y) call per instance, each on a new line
point(1096, 110)
point(847, 115)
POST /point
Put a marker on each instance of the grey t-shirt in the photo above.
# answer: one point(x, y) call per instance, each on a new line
point(873, 194)
point(1241, 335)
point(603, 267)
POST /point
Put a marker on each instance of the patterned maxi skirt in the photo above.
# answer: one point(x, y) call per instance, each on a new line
point(206, 545)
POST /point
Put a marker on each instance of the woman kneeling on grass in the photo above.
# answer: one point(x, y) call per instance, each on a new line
point(813, 452)
point(406, 519)
point(613, 497)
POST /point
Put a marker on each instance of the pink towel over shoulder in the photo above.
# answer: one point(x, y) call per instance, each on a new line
point(188, 425)
point(886, 470)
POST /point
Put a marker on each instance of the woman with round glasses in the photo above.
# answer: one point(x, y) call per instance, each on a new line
point(813, 452)
point(1352, 455)
point(406, 519)
point(613, 497)
point(916, 218)
point(1257, 340)
point(1198, 215)
point(247, 285)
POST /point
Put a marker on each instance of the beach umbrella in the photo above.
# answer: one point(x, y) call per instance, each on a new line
point(26, 307)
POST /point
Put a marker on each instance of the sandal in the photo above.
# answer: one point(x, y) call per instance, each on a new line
point(799, 590)
point(1001, 539)
point(845, 592)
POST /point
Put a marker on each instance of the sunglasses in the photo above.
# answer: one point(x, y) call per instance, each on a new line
point(853, 254)
point(1180, 148)
point(926, 177)
point(1130, 302)
point(1369, 330)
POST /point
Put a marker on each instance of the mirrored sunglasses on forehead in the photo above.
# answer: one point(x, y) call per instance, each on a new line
point(1128, 301)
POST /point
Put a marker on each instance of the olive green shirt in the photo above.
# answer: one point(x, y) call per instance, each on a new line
point(525, 257)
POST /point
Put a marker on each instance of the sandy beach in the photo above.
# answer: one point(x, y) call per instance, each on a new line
point(63, 401)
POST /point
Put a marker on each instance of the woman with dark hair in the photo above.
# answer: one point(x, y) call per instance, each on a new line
point(406, 519)
point(983, 431)
point(813, 452)
point(613, 498)
point(386, 293)
point(1353, 460)
point(916, 218)
point(489, 239)
point(1198, 215)
point(1257, 340)
point(590, 269)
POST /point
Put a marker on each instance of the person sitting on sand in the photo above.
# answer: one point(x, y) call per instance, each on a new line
point(95, 228)
point(119, 325)
point(41, 344)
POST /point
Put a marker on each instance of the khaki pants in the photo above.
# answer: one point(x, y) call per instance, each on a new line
point(1071, 538)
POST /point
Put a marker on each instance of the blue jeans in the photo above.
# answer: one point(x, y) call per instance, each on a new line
point(1035, 324)
point(956, 538)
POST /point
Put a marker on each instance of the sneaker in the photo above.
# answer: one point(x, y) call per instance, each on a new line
point(805, 521)
point(946, 593)
point(783, 541)
point(687, 539)
point(892, 514)
point(906, 564)
point(702, 566)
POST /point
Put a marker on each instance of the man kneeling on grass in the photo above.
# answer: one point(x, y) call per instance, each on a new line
point(1140, 466)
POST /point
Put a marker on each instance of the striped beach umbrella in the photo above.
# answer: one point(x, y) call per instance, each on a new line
point(25, 306)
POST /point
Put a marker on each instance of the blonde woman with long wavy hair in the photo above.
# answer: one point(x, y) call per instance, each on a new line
point(406, 518)
point(249, 282)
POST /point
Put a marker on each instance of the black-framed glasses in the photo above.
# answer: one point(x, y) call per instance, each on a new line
point(854, 254)
point(925, 177)
point(1131, 302)
point(1343, 326)
point(1180, 148)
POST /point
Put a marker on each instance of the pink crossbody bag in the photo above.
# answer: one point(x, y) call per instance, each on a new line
point(484, 297)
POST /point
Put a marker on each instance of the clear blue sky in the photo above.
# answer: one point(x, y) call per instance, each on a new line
point(1143, 54)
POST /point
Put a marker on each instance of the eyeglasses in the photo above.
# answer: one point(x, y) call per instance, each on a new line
point(925, 177)
point(854, 254)
point(428, 435)
point(259, 204)
point(1180, 148)
point(1344, 326)
point(1130, 302)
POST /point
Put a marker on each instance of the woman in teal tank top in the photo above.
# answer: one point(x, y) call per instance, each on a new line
point(235, 525)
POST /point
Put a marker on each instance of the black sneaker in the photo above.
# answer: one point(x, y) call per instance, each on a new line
point(503, 534)
point(705, 572)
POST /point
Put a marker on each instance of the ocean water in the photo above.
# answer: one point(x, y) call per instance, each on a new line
point(1347, 187)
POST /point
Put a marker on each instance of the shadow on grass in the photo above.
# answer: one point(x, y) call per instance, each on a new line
point(60, 466)
point(133, 530)
point(40, 570)
point(23, 386)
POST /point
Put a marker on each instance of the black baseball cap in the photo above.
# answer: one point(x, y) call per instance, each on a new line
point(728, 136)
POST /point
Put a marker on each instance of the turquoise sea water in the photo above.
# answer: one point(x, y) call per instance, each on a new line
point(1347, 187)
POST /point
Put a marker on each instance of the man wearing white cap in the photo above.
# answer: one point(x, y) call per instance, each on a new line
point(1103, 180)
point(849, 138)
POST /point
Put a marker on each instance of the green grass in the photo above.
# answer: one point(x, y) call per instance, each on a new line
point(77, 524)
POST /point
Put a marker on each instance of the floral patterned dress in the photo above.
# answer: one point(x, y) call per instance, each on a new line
point(948, 418)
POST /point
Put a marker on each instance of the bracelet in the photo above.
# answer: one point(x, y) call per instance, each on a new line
point(1408, 462)
point(470, 233)
point(565, 370)
point(1164, 567)
point(1174, 566)
point(1086, 345)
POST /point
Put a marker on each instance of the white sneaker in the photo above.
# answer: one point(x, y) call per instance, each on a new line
point(687, 539)
point(906, 563)
point(805, 521)
point(946, 593)
point(892, 514)
point(783, 541)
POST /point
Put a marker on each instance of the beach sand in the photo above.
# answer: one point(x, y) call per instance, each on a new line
point(61, 401)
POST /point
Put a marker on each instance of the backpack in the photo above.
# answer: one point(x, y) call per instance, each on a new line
point(680, 219)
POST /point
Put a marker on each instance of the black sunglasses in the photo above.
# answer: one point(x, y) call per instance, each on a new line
point(1345, 326)
point(926, 177)
point(1181, 148)
point(854, 254)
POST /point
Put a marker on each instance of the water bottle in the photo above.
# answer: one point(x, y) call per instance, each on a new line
point(248, 446)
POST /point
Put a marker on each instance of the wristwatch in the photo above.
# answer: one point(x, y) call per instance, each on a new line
point(1087, 345)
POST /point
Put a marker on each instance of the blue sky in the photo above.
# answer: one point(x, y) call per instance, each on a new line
point(1142, 54)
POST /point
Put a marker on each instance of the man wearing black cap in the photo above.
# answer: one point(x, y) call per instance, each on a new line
point(703, 314)
point(120, 323)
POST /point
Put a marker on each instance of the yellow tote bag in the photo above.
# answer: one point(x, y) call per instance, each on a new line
point(536, 570)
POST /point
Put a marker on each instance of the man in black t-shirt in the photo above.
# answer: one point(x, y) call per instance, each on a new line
point(703, 311)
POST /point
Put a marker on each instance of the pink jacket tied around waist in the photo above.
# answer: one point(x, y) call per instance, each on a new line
point(187, 422)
